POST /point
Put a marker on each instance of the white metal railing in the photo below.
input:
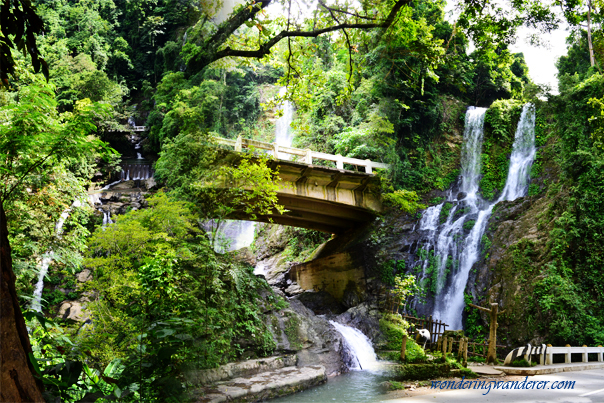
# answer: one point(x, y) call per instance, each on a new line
point(546, 353)
point(139, 128)
point(307, 155)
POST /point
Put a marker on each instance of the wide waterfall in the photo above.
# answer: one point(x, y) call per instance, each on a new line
point(359, 345)
point(450, 250)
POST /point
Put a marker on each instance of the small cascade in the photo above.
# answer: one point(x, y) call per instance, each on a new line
point(139, 156)
point(47, 258)
point(359, 345)
point(283, 132)
point(136, 171)
point(106, 218)
point(449, 247)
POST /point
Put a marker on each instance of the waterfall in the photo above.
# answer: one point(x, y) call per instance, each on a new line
point(139, 156)
point(359, 345)
point(47, 258)
point(283, 132)
point(232, 235)
point(454, 250)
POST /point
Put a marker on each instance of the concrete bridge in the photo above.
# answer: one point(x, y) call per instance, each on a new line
point(324, 198)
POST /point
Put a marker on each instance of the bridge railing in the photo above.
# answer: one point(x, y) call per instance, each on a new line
point(307, 155)
point(546, 353)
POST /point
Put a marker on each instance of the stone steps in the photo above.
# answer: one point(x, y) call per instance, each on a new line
point(261, 386)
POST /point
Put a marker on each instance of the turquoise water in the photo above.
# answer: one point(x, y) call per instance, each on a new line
point(354, 386)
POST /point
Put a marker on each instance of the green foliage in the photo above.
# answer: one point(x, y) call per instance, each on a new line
point(445, 212)
point(474, 327)
point(404, 200)
point(388, 271)
point(521, 362)
point(166, 300)
point(469, 224)
point(501, 120)
point(422, 371)
point(569, 295)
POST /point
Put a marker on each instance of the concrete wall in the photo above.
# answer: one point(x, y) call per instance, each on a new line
point(333, 274)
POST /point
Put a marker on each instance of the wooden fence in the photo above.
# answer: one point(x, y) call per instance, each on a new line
point(435, 327)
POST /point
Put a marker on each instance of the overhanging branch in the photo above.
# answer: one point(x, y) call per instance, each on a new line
point(239, 19)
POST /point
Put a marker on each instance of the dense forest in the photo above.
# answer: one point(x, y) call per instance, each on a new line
point(388, 81)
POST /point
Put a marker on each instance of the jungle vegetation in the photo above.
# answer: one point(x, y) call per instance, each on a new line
point(387, 80)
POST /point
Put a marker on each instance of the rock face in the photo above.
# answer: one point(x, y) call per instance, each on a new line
point(314, 341)
point(263, 386)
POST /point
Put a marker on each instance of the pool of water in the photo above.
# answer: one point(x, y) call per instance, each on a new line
point(354, 386)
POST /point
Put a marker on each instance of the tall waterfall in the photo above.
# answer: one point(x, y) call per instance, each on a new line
point(450, 248)
point(359, 345)
point(283, 132)
point(47, 258)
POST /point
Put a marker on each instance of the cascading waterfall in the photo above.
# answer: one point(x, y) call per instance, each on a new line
point(452, 250)
point(359, 345)
point(47, 258)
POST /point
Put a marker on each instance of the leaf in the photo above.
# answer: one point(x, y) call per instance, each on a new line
point(34, 363)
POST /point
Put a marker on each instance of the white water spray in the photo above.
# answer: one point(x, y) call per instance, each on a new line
point(360, 347)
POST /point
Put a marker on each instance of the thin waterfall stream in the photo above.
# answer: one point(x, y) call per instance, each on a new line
point(47, 258)
point(236, 234)
point(450, 248)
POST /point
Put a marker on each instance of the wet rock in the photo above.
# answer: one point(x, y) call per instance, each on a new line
point(320, 303)
point(353, 295)
point(364, 317)
point(313, 338)
point(461, 195)
point(73, 310)
point(84, 275)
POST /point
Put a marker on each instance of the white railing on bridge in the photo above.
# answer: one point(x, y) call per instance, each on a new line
point(138, 128)
point(307, 154)
point(546, 353)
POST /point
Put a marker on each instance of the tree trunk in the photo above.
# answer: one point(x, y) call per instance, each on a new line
point(492, 354)
point(17, 382)
point(591, 48)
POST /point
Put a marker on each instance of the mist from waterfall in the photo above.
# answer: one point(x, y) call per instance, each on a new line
point(450, 251)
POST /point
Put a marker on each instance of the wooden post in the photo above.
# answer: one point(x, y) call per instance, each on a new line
point(430, 330)
point(404, 348)
point(444, 348)
point(465, 352)
point(493, 312)
point(460, 349)
point(450, 349)
point(439, 343)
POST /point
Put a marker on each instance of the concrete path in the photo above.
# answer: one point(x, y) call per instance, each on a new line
point(485, 370)
point(588, 387)
point(551, 369)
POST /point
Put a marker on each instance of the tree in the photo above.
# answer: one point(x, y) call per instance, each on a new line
point(20, 24)
point(33, 136)
point(206, 47)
